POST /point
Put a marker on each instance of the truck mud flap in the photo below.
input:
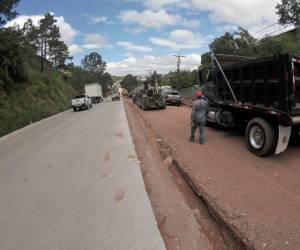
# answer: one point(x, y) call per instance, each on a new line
point(284, 134)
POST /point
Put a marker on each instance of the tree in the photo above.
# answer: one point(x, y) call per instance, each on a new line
point(288, 12)
point(29, 35)
point(45, 40)
point(224, 44)
point(93, 63)
point(48, 35)
point(129, 82)
point(6, 10)
point(58, 53)
point(236, 43)
point(269, 47)
point(11, 58)
point(245, 43)
point(185, 79)
point(106, 82)
point(239, 43)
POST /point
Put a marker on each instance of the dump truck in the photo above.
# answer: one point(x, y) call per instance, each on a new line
point(150, 95)
point(94, 91)
point(261, 94)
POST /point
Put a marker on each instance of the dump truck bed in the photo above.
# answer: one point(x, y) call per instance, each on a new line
point(272, 83)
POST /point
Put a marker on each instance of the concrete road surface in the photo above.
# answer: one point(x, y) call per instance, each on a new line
point(73, 182)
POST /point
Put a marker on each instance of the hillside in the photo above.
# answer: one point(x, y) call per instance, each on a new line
point(39, 96)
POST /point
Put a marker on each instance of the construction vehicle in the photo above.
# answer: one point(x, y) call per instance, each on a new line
point(262, 94)
point(124, 92)
point(150, 95)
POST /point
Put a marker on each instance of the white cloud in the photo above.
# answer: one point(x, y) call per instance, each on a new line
point(128, 54)
point(95, 41)
point(68, 33)
point(163, 64)
point(75, 49)
point(180, 39)
point(96, 19)
point(252, 15)
point(149, 19)
point(243, 12)
point(155, 19)
point(131, 46)
point(135, 31)
point(158, 4)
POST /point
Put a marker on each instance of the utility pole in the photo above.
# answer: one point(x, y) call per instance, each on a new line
point(178, 67)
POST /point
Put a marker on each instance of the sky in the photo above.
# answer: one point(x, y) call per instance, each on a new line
point(138, 36)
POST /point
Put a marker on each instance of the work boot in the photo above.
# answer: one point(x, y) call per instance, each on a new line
point(191, 139)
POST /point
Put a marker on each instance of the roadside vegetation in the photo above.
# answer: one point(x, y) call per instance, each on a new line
point(35, 81)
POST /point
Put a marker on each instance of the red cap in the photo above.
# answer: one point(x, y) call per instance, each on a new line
point(199, 94)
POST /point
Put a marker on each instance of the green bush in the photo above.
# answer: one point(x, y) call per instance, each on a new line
point(40, 96)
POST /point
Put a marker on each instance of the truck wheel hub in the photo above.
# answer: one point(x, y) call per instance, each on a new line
point(257, 137)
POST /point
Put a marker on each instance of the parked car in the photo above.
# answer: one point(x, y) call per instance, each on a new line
point(80, 102)
point(173, 97)
point(115, 97)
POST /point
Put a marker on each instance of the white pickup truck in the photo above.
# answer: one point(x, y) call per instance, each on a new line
point(81, 101)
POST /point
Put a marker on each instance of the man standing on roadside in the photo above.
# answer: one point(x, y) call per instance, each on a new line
point(198, 117)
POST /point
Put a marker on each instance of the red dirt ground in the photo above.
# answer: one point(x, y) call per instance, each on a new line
point(259, 198)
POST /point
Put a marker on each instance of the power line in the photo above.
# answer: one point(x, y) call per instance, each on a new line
point(263, 29)
point(274, 31)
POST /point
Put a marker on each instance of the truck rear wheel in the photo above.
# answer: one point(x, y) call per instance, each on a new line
point(144, 107)
point(260, 137)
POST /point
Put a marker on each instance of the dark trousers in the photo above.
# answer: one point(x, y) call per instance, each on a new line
point(201, 127)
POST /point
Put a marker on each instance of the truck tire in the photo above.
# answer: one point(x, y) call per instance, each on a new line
point(260, 137)
point(75, 109)
point(144, 107)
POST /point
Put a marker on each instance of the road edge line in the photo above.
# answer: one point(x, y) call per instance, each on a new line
point(139, 166)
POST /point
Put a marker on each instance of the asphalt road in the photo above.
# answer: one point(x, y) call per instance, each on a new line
point(258, 198)
point(73, 182)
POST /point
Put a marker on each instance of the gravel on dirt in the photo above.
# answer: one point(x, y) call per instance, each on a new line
point(257, 198)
